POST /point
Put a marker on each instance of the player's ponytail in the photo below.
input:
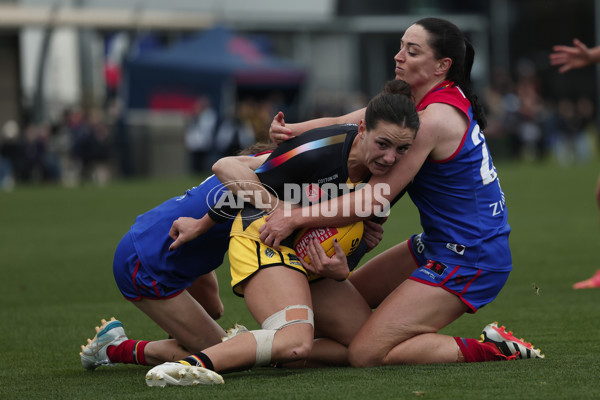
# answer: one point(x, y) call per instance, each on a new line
point(465, 85)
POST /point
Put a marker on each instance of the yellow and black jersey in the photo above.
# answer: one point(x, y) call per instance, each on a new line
point(305, 170)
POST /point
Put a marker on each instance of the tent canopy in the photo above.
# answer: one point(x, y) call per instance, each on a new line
point(214, 64)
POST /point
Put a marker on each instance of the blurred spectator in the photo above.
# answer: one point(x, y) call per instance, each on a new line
point(61, 145)
point(100, 149)
point(500, 98)
point(523, 121)
point(9, 153)
point(80, 152)
point(122, 151)
point(199, 136)
point(589, 131)
point(235, 132)
point(91, 150)
point(258, 115)
point(573, 143)
point(34, 151)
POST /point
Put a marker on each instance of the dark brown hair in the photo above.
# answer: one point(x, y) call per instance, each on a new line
point(393, 104)
point(447, 40)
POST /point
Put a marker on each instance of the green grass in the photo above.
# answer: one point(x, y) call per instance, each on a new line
point(56, 249)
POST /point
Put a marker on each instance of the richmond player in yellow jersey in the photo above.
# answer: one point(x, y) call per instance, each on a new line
point(274, 283)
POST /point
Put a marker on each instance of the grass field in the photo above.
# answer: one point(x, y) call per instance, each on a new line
point(56, 249)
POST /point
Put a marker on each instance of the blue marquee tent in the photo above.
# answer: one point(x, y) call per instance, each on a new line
point(217, 64)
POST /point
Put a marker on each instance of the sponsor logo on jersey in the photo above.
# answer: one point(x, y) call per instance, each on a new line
point(417, 244)
point(427, 272)
point(457, 248)
point(293, 259)
point(321, 234)
point(328, 179)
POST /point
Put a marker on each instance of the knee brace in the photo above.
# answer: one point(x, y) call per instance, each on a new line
point(277, 321)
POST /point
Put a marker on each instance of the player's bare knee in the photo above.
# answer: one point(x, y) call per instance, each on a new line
point(362, 356)
point(287, 335)
point(292, 344)
point(216, 311)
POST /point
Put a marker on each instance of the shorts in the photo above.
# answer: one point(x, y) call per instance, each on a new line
point(247, 256)
point(131, 277)
point(474, 286)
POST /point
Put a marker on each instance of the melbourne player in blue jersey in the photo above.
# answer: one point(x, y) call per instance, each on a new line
point(462, 259)
point(176, 288)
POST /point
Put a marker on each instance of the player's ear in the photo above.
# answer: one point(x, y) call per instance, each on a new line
point(362, 128)
point(443, 66)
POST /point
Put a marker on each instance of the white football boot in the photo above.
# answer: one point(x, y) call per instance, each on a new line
point(509, 345)
point(181, 374)
point(109, 333)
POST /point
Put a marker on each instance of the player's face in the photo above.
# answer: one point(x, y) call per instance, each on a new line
point(415, 61)
point(384, 145)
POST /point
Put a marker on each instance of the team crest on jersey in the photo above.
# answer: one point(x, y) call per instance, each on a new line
point(457, 248)
point(436, 267)
point(269, 252)
point(313, 192)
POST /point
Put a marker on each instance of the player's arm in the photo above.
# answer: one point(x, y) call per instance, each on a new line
point(280, 131)
point(237, 173)
point(376, 196)
point(185, 229)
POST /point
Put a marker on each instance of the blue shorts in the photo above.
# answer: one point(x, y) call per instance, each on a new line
point(474, 286)
point(131, 277)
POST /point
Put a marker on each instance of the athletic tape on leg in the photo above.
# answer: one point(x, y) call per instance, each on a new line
point(264, 344)
point(278, 320)
point(264, 337)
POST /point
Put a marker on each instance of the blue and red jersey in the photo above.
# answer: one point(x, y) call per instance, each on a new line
point(461, 204)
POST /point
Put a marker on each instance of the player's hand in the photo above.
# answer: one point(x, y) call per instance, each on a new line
point(277, 131)
point(185, 229)
point(568, 58)
point(372, 234)
point(334, 267)
point(276, 228)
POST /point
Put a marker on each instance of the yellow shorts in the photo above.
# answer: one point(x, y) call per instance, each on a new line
point(247, 256)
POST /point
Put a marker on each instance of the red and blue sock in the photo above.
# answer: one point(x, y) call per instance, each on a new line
point(475, 351)
point(128, 352)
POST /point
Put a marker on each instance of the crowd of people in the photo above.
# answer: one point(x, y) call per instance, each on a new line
point(75, 149)
point(533, 126)
point(524, 124)
point(93, 146)
point(209, 136)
